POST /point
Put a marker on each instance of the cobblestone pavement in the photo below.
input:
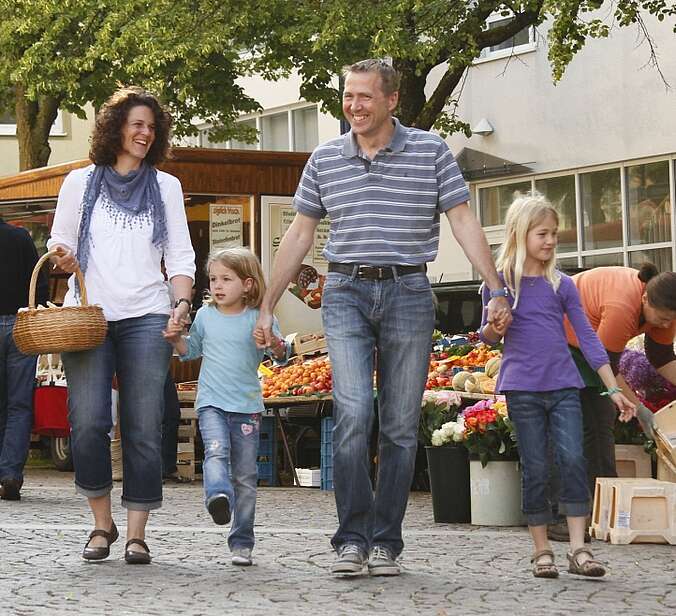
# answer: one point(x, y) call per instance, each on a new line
point(448, 569)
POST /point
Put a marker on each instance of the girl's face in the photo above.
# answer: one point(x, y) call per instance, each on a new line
point(138, 133)
point(541, 240)
point(657, 317)
point(227, 289)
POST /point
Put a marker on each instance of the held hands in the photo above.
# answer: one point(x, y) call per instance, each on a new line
point(499, 314)
point(174, 330)
point(262, 333)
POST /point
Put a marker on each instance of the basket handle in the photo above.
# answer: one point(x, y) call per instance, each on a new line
point(34, 279)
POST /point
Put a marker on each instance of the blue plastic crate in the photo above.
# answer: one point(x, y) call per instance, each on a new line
point(327, 430)
point(267, 453)
point(267, 475)
point(326, 478)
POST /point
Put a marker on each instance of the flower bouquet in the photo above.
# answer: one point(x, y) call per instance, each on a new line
point(653, 390)
point(438, 408)
point(484, 428)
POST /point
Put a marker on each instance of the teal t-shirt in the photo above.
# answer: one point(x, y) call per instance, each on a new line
point(228, 376)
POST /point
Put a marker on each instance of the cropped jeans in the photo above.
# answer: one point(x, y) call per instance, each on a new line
point(135, 350)
point(230, 468)
point(388, 323)
point(17, 379)
point(544, 420)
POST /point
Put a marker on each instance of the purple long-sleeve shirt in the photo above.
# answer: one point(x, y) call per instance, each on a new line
point(536, 355)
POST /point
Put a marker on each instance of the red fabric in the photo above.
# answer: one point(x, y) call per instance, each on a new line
point(50, 411)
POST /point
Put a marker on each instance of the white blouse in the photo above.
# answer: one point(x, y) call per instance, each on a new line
point(123, 273)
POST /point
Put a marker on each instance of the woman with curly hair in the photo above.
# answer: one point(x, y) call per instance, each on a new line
point(116, 220)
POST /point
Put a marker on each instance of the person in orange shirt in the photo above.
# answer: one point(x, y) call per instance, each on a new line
point(620, 303)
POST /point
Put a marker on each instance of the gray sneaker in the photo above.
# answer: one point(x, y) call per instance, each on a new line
point(351, 560)
point(382, 562)
point(242, 557)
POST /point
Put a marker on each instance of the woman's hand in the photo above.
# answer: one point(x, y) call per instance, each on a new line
point(174, 331)
point(626, 408)
point(65, 259)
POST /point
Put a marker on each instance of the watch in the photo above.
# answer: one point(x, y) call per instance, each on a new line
point(179, 301)
point(504, 292)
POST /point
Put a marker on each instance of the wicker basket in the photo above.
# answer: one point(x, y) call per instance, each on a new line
point(55, 330)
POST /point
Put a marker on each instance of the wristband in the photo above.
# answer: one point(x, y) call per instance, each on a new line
point(504, 292)
point(611, 391)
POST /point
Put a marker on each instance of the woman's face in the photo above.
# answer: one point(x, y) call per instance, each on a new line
point(657, 317)
point(138, 132)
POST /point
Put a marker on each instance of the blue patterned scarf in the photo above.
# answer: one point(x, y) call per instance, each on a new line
point(133, 195)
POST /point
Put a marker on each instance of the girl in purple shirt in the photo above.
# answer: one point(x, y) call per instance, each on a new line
point(540, 380)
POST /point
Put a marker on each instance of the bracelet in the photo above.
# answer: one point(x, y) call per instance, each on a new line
point(611, 391)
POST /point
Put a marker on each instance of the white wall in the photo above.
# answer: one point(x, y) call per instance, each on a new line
point(609, 106)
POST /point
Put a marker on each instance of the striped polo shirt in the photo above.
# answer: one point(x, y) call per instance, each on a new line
point(383, 211)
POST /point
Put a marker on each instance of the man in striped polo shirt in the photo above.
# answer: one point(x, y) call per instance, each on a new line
point(383, 187)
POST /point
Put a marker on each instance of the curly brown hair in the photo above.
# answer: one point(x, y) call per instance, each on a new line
point(106, 141)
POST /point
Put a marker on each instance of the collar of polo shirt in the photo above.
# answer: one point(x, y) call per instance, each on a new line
point(351, 147)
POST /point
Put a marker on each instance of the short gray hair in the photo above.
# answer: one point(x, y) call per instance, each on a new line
point(389, 77)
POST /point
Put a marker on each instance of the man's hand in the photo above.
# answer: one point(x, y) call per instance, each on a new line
point(173, 331)
point(262, 333)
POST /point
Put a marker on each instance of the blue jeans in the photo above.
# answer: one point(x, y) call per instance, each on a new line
point(135, 350)
point(231, 444)
point(17, 378)
point(389, 323)
point(170, 421)
point(541, 417)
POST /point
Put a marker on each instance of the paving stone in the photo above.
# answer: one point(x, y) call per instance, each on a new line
point(447, 569)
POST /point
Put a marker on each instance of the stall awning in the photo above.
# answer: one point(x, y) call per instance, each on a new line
point(476, 165)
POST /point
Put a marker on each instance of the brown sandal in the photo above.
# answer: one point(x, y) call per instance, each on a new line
point(544, 570)
point(588, 568)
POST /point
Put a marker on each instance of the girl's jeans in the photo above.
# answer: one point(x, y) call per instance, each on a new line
point(388, 322)
point(230, 469)
point(539, 416)
point(135, 350)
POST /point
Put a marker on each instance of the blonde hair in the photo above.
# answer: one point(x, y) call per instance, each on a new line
point(245, 264)
point(523, 214)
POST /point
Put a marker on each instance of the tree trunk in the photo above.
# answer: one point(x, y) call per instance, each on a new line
point(34, 120)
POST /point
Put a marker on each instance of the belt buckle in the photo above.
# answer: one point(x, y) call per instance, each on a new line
point(374, 272)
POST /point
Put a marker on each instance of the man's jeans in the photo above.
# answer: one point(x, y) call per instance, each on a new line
point(135, 350)
point(17, 378)
point(231, 448)
point(542, 418)
point(393, 318)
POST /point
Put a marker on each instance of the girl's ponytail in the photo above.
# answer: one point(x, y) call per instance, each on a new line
point(647, 271)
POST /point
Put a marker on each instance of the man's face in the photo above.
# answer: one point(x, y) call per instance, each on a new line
point(366, 107)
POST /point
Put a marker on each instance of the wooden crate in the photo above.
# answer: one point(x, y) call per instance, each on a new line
point(642, 512)
point(666, 470)
point(310, 344)
point(603, 504)
point(665, 431)
point(187, 432)
point(632, 461)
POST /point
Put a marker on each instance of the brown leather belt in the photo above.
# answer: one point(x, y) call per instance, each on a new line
point(375, 272)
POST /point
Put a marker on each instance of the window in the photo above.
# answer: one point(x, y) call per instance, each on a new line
point(494, 201)
point(8, 124)
point(648, 203)
point(601, 209)
point(305, 129)
point(561, 193)
point(275, 132)
point(615, 258)
point(660, 257)
point(235, 144)
point(294, 130)
point(523, 41)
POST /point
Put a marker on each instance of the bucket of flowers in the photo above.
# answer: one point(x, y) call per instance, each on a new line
point(488, 432)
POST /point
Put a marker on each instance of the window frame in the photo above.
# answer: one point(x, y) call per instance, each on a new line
point(487, 55)
point(8, 129)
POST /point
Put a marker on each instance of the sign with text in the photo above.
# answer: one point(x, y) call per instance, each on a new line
point(226, 228)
